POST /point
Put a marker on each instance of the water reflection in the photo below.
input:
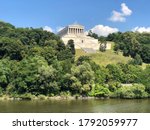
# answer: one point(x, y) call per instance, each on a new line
point(87, 106)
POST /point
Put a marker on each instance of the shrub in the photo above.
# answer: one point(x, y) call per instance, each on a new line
point(65, 95)
point(100, 91)
point(135, 91)
point(42, 97)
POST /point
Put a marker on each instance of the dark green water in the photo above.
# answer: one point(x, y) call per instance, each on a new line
point(87, 106)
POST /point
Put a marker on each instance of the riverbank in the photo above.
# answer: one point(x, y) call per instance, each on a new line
point(42, 97)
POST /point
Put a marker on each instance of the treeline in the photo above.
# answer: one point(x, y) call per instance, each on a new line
point(36, 62)
point(134, 44)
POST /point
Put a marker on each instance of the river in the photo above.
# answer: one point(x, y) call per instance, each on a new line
point(74, 106)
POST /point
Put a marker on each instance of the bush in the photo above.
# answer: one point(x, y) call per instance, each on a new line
point(42, 97)
point(65, 95)
point(27, 96)
point(139, 91)
point(135, 91)
point(100, 91)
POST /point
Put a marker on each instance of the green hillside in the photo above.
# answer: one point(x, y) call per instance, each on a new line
point(104, 58)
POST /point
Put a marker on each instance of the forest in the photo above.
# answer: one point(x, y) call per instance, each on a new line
point(34, 62)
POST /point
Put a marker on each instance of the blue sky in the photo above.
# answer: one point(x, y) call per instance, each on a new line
point(99, 15)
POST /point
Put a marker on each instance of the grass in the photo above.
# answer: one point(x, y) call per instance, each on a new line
point(107, 57)
point(104, 58)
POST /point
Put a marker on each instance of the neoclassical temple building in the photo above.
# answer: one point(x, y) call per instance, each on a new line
point(81, 40)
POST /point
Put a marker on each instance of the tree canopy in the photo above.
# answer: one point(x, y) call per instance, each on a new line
point(35, 62)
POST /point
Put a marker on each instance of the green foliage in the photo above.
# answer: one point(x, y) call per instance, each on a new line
point(137, 60)
point(103, 47)
point(11, 48)
point(100, 73)
point(65, 94)
point(1, 91)
point(91, 34)
point(5, 72)
point(71, 46)
point(145, 78)
point(82, 59)
point(35, 76)
point(103, 43)
point(115, 73)
point(41, 97)
point(132, 44)
point(37, 62)
point(135, 91)
point(84, 75)
point(113, 86)
point(131, 73)
point(100, 91)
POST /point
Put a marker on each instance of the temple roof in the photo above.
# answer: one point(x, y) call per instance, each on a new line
point(76, 25)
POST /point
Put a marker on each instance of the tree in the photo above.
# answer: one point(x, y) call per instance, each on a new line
point(103, 46)
point(5, 73)
point(70, 45)
point(132, 44)
point(84, 75)
point(145, 54)
point(36, 77)
point(12, 49)
point(137, 60)
point(145, 78)
point(82, 59)
point(91, 34)
point(114, 73)
point(103, 43)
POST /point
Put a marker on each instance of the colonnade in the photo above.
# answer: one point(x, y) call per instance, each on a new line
point(75, 30)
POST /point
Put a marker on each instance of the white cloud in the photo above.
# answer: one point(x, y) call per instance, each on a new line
point(59, 29)
point(141, 29)
point(121, 16)
point(102, 30)
point(48, 29)
point(125, 10)
point(117, 17)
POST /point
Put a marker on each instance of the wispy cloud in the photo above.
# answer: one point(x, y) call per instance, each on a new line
point(121, 16)
point(141, 29)
point(48, 29)
point(102, 30)
point(126, 11)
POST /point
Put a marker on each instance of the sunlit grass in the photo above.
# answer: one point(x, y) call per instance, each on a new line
point(104, 58)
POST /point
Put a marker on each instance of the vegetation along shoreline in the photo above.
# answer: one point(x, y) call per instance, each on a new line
point(36, 64)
